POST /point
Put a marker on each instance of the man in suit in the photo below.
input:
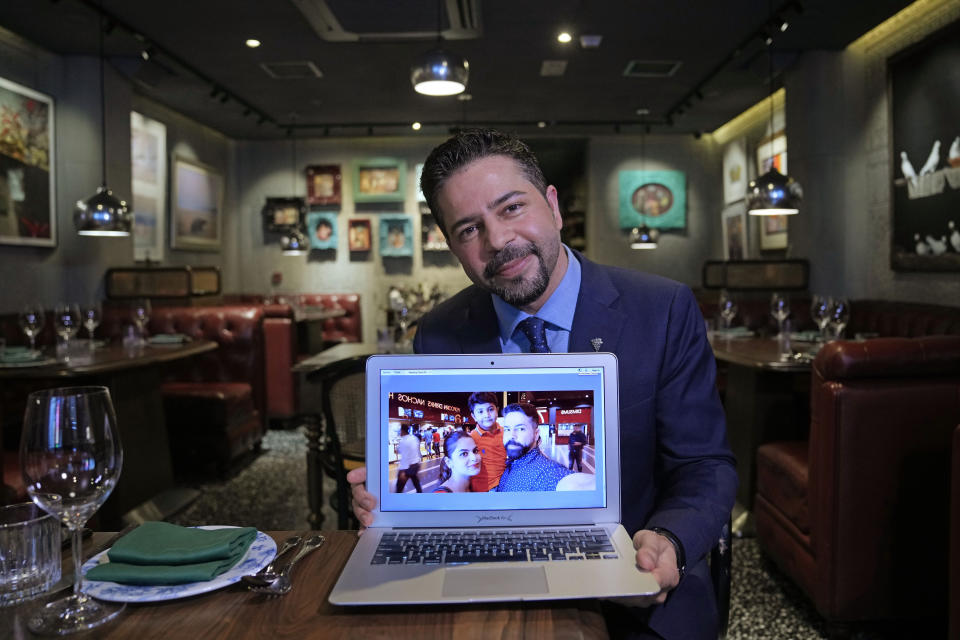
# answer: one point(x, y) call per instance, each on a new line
point(532, 293)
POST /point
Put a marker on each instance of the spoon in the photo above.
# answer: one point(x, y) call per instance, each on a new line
point(257, 579)
point(279, 583)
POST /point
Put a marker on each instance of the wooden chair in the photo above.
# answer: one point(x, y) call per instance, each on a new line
point(342, 433)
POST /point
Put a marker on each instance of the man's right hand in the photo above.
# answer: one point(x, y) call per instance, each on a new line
point(363, 500)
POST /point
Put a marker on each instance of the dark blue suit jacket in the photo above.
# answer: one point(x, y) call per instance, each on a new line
point(677, 470)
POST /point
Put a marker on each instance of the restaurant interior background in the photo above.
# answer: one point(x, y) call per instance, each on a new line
point(836, 116)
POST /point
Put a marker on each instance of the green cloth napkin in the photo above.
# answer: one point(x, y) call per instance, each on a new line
point(168, 338)
point(18, 354)
point(805, 336)
point(164, 553)
point(735, 331)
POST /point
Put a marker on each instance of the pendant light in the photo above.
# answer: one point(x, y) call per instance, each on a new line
point(295, 241)
point(773, 194)
point(643, 237)
point(102, 214)
point(439, 72)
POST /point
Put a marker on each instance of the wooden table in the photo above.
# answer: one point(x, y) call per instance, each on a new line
point(767, 399)
point(133, 375)
point(234, 613)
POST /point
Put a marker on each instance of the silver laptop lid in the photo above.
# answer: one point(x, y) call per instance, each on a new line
point(429, 392)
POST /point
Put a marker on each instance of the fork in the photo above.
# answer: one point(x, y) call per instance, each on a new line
point(257, 579)
point(279, 583)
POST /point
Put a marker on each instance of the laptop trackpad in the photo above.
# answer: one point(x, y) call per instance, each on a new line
point(493, 581)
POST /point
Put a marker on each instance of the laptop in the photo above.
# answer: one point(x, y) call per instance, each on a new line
point(488, 546)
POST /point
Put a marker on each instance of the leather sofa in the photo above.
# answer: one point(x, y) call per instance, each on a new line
point(344, 328)
point(954, 628)
point(857, 514)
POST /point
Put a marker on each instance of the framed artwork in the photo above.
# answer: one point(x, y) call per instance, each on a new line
point(359, 235)
point(283, 214)
point(925, 154)
point(27, 180)
point(197, 207)
point(379, 180)
point(734, 221)
point(432, 238)
point(656, 198)
point(734, 171)
point(323, 185)
point(773, 232)
point(396, 236)
point(148, 159)
point(419, 172)
point(322, 229)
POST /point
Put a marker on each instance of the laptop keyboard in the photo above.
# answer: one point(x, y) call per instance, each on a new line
point(461, 546)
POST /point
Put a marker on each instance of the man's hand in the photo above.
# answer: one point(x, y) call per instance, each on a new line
point(656, 555)
point(363, 501)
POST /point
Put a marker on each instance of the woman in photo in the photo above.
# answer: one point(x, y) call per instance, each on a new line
point(461, 461)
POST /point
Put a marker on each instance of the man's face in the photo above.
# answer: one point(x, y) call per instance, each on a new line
point(519, 434)
point(504, 232)
point(485, 414)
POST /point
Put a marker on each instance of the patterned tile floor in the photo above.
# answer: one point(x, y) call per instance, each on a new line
point(270, 493)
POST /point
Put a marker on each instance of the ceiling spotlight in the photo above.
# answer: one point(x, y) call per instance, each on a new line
point(643, 111)
point(564, 37)
point(253, 43)
point(416, 126)
point(463, 97)
point(783, 26)
point(440, 73)
point(541, 125)
point(768, 41)
point(148, 53)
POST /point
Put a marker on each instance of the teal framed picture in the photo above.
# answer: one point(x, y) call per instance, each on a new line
point(396, 236)
point(322, 229)
point(379, 180)
point(655, 198)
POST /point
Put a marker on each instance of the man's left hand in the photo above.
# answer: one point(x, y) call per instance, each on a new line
point(656, 555)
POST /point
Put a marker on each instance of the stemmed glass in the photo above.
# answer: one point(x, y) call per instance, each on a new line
point(141, 316)
point(70, 457)
point(66, 319)
point(820, 312)
point(839, 316)
point(31, 321)
point(91, 315)
point(780, 310)
point(728, 308)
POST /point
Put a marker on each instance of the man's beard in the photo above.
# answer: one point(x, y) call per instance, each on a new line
point(517, 291)
point(516, 450)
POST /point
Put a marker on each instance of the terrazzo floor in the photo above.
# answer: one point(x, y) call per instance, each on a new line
point(269, 492)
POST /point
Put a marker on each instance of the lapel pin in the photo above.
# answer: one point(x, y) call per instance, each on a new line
point(597, 343)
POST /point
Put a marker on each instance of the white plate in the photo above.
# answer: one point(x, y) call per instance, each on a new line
point(259, 555)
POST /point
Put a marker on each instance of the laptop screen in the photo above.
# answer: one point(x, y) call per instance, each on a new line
point(476, 438)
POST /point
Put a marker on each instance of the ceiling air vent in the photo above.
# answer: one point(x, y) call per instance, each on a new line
point(298, 70)
point(651, 68)
point(379, 21)
point(553, 67)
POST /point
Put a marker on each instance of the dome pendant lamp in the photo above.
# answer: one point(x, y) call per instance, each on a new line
point(439, 72)
point(102, 214)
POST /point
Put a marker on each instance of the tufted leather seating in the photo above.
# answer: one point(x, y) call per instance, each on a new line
point(857, 515)
point(214, 402)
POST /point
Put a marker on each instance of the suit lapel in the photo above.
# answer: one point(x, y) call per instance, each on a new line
point(479, 332)
point(595, 316)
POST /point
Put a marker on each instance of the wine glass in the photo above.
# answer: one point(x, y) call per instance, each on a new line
point(780, 310)
point(91, 315)
point(839, 316)
point(70, 458)
point(31, 321)
point(66, 320)
point(820, 313)
point(141, 316)
point(728, 308)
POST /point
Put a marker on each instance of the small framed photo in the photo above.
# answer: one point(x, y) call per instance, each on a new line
point(432, 239)
point(773, 232)
point(322, 229)
point(735, 233)
point(323, 185)
point(197, 207)
point(283, 214)
point(359, 235)
point(379, 180)
point(396, 236)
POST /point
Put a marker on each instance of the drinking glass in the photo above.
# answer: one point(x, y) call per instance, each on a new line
point(820, 313)
point(780, 310)
point(70, 457)
point(839, 316)
point(91, 315)
point(66, 320)
point(728, 308)
point(31, 321)
point(29, 552)
point(141, 316)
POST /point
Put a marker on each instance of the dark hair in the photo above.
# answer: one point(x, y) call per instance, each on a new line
point(405, 429)
point(466, 146)
point(449, 444)
point(481, 397)
point(522, 407)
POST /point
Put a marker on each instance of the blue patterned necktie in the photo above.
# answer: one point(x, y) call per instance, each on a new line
point(536, 333)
